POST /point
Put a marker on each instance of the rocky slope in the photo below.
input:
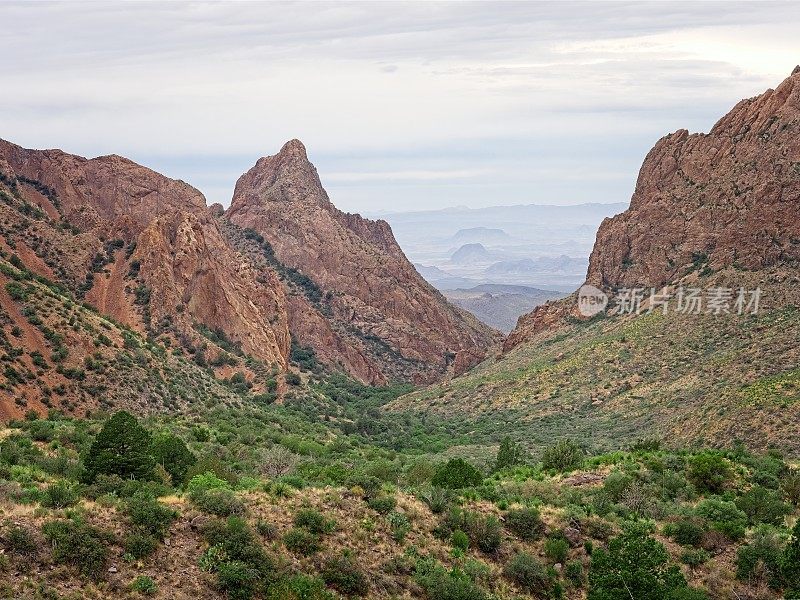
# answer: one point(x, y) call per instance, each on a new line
point(366, 297)
point(716, 210)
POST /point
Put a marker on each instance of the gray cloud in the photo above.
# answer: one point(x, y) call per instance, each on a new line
point(486, 103)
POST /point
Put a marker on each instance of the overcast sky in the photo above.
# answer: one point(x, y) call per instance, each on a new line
point(402, 106)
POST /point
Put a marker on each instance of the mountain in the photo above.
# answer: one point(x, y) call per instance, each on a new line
point(500, 306)
point(469, 254)
point(716, 212)
point(365, 306)
point(120, 286)
point(545, 264)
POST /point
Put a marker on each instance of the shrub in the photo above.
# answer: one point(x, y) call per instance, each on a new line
point(237, 579)
point(314, 521)
point(382, 504)
point(695, 557)
point(509, 455)
point(437, 499)
point(761, 558)
point(121, 448)
point(299, 587)
point(762, 505)
point(459, 540)
point(171, 452)
point(686, 532)
point(790, 563)
point(144, 585)
point(615, 485)
point(343, 575)
point(59, 495)
point(529, 573)
point(442, 585)
point(81, 545)
point(140, 544)
point(573, 572)
point(709, 472)
point(634, 566)
point(565, 455)
point(457, 473)
point(790, 486)
point(301, 542)
point(19, 540)
point(484, 532)
point(399, 525)
point(556, 549)
point(525, 523)
point(148, 514)
point(278, 461)
point(723, 516)
point(219, 502)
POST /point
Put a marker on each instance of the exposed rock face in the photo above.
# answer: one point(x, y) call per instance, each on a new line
point(373, 298)
point(729, 197)
point(703, 202)
point(174, 252)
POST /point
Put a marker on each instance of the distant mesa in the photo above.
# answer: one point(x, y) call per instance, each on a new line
point(470, 254)
point(481, 235)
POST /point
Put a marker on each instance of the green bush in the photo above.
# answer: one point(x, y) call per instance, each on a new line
point(694, 557)
point(762, 505)
point(440, 584)
point(634, 566)
point(140, 544)
point(382, 504)
point(556, 549)
point(301, 542)
point(148, 514)
point(525, 523)
point(723, 516)
point(529, 573)
point(616, 483)
point(790, 563)
point(709, 472)
point(564, 455)
point(18, 540)
point(314, 521)
point(686, 532)
point(59, 495)
point(510, 454)
point(483, 532)
point(437, 499)
point(237, 579)
point(79, 544)
point(144, 585)
point(121, 448)
point(459, 540)
point(573, 572)
point(299, 587)
point(457, 473)
point(343, 575)
point(399, 525)
point(219, 502)
point(765, 551)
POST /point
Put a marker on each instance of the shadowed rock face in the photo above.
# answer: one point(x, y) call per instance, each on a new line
point(728, 198)
point(191, 274)
point(396, 323)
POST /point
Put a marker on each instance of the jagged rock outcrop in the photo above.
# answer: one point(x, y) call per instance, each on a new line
point(703, 202)
point(374, 301)
point(144, 249)
point(730, 197)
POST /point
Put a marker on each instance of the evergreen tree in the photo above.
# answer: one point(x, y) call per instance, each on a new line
point(510, 454)
point(171, 452)
point(791, 564)
point(121, 448)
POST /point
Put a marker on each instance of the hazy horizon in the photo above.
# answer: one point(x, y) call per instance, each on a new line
point(402, 106)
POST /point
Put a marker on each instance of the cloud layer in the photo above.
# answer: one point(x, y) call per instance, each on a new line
point(401, 105)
